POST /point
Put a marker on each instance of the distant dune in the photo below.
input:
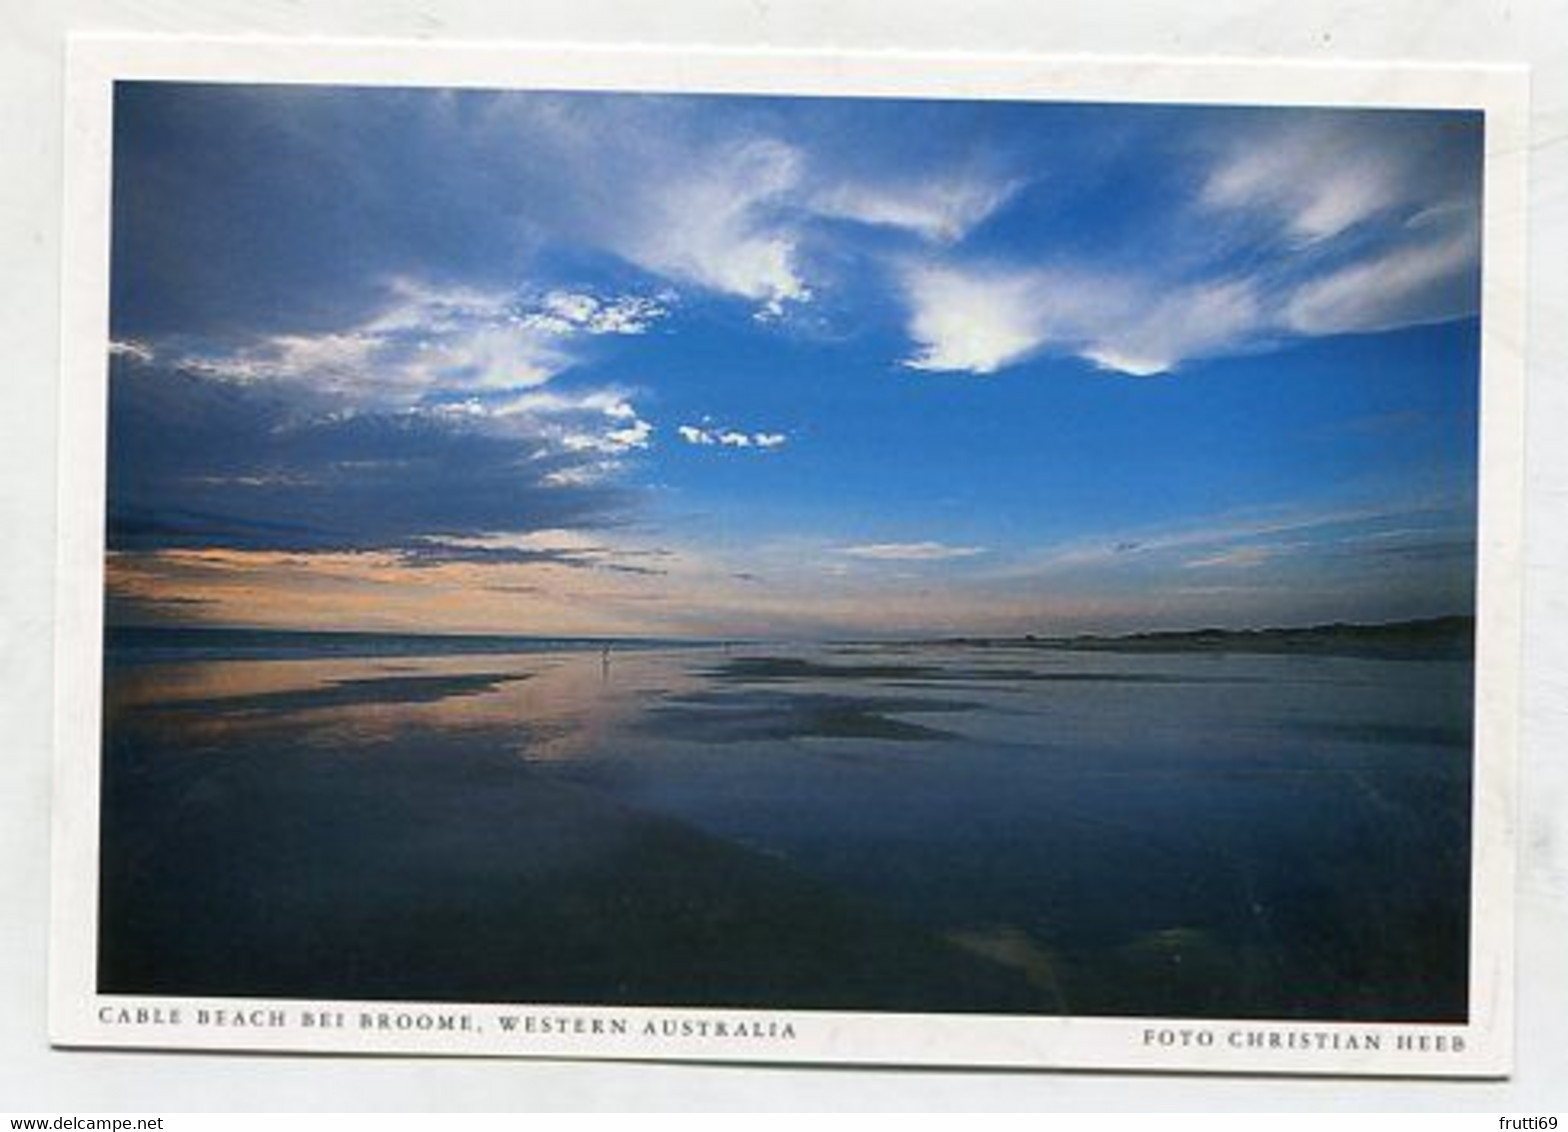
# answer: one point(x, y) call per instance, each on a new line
point(1446, 638)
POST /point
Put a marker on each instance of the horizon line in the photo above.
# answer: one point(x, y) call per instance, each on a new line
point(931, 637)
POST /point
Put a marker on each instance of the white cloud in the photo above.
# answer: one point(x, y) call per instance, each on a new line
point(428, 340)
point(982, 321)
point(482, 358)
point(1287, 178)
point(940, 209)
point(572, 312)
point(1426, 281)
point(1187, 322)
point(612, 442)
point(729, 211)
point(711, 226)
point(131, 348)
point(706, 435)
point(593, 420)
point(1392, 195)
point(650, 181)
point(418, 306)
point(328, 362)
point(972, 322)
point(610, 403)
point(1330, 225)
point(466, 359)
point(1319, 178)
point(634, 435)
point(911, 551)
point(1116, 360)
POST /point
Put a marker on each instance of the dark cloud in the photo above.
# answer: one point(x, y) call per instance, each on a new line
point(628, 568)
point(140, 609)
point(196, 462)
point(591, 558)
point(444, 553)
point(256, 208)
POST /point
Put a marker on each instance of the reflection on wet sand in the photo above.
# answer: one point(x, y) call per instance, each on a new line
point(566, 702)
point(1031, 831)
point(352, 691)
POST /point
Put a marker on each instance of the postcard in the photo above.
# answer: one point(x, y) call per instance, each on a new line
point(787, 557)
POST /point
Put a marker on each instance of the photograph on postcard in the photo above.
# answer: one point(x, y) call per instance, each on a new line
point(750, 552)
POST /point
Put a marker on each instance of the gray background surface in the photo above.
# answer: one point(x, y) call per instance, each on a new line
point(32, 1077)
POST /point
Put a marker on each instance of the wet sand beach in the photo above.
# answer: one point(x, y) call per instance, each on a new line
point(927, 828)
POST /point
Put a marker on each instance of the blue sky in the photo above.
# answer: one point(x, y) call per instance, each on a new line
point(720, 366)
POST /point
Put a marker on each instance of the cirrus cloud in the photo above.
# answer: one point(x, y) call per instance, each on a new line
point(981, 321)
point(425, 340)
point(1328, 224)
point(942, 208)
point(911, 551)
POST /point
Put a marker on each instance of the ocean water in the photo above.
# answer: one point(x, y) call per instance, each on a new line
point(902, 827)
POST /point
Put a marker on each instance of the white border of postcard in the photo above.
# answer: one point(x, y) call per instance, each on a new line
point(79, 1016)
